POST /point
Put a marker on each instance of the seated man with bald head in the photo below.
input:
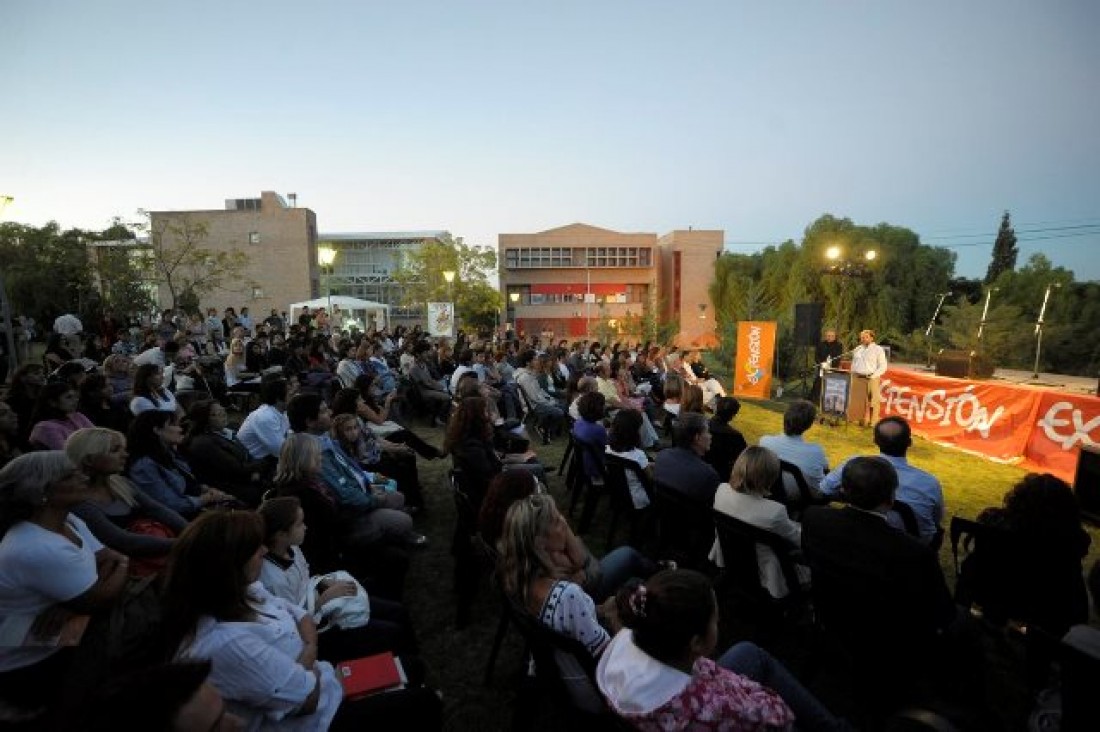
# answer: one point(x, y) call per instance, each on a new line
point(918, 489)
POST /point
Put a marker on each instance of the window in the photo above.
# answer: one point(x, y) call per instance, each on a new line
point(253, 237)
point(257, 293)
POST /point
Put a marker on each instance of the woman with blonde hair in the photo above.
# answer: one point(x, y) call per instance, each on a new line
point(745, 498)
point(123, 518)
point(237, 375)
point(537, 552)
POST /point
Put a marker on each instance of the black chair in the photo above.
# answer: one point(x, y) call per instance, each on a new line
point(804, 498)
point(593, 486)
point(685, 528)
point(617, 487)
point(739, 541)
point(567, 454)
point(908, 518)
point(545, 646)
point(466, 545)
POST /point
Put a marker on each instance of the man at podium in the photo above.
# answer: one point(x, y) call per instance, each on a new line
point(869, 359)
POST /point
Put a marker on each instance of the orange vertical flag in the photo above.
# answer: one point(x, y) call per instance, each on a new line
point(752, 368)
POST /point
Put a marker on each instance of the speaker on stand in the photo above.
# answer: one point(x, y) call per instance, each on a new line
point(807, 333)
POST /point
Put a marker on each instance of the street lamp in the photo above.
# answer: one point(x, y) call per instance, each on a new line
point(449, 277)
point(1039, 328)
point(847, 268)
point(326, 257)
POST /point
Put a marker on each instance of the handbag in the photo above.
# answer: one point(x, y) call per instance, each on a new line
point(352, 611)
point(148, 566)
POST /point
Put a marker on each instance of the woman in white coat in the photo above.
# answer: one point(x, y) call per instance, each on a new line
point(744, 498)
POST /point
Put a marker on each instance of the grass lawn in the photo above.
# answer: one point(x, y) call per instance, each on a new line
point(457, 657)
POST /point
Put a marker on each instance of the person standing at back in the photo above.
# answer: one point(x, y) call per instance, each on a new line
point(869, 359)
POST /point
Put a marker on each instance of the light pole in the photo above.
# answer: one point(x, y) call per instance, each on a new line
point(514, 298)
point(5, 304)
point(326, 257)
point(1039, 327)
point(449, 276)
point(847, 269)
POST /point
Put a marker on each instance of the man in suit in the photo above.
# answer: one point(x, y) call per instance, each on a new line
point(878, 591)
point(682, 467)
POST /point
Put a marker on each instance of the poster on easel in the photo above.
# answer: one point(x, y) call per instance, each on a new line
point(441, 319)
point(752, 369)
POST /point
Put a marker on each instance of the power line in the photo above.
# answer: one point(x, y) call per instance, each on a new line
point(1018, 231)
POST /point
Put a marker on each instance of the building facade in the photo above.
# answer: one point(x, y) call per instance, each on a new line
point(364, 264)
point(565, 282)
point(280, 243)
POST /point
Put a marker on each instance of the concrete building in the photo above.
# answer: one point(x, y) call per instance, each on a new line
point(364, 265)
point(569, 279)
point(280, 242)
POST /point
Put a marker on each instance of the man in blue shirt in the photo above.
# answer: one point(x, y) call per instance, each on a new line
point(918, 489)
point(809, 457)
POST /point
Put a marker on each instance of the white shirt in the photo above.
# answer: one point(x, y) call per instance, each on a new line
point(39, 569)
point(633, 681)
point(255, 667)
point(166, 403)
point(151, 355)
point(869, 360)
point(766, 514)
point(292, 583)
point(264, 431)
point(637, 491)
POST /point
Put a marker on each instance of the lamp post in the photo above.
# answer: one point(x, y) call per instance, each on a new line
point(449, 277)
point(326, 257)
point(847, 269)
point(1039, 327)
point(985, 311)
point(5, 304)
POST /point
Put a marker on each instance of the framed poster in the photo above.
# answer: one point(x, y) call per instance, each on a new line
point(441, 319)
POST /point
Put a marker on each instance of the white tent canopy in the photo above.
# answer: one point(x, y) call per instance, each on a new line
point(364, 312)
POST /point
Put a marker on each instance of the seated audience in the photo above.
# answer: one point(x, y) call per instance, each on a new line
point(624, 441)
point(919, 489)
point(218, 459)
point(95, 403)
point(149, 391)
point(809, 457)
point(691, 399)
point(361, 446)
point(377, 504)
point(589, 430)
point(52, 568)
point(745, 498)
point(285, 574)
point(263, 649)
point(55, 417)
point(265, 428)
point(157, 470)
point(726, 442)
point(656, 673)
point(394, 442)
point(26, 383)
point(124, 519)
point(1033, 574)
point(681, 467)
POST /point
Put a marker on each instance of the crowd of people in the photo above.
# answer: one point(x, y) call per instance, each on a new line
point(143, 539)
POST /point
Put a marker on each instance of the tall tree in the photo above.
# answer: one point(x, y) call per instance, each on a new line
point(1004, 251)
point(421, 278)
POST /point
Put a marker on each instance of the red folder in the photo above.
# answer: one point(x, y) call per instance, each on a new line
point(370, 675)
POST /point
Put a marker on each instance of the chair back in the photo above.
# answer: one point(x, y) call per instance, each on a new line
point(908, 518)
point(685, 528)
point(789, 473)
point(739, 541)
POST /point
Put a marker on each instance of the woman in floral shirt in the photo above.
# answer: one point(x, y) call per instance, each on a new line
point(656, 675)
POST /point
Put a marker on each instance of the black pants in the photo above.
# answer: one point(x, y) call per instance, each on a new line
point(389, 629)
point(422, 448)
point(401, 468)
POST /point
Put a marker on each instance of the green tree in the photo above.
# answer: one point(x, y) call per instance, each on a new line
point(477, 303)
point(46, 271)
point(1004, 251)
point(186, 266)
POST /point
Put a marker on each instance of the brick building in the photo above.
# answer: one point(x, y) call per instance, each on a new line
point(570, 278)
point(280, 241)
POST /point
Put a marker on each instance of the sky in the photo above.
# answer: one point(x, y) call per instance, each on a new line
point(484, 117)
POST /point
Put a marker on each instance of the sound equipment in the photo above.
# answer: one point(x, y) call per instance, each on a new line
point(1086, 482)
point(964, 365)
point(807, 323)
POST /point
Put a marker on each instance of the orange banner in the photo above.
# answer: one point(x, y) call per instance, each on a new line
point(752, 368)
point(1040, 429)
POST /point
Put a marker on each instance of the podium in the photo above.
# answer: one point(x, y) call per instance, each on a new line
point(844, 395)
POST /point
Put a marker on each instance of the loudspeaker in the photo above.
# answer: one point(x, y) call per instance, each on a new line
point(964, 365)
point(807, 323)
point(1086, 482)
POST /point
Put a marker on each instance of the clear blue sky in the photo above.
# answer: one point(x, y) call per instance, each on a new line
point(516, 116)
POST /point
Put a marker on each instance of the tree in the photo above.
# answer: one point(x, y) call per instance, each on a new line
point(46, 271)
point(1004, 251)
point(477, 303)
point(186, 266)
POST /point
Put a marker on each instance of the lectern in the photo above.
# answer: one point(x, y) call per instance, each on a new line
point(844, 395)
